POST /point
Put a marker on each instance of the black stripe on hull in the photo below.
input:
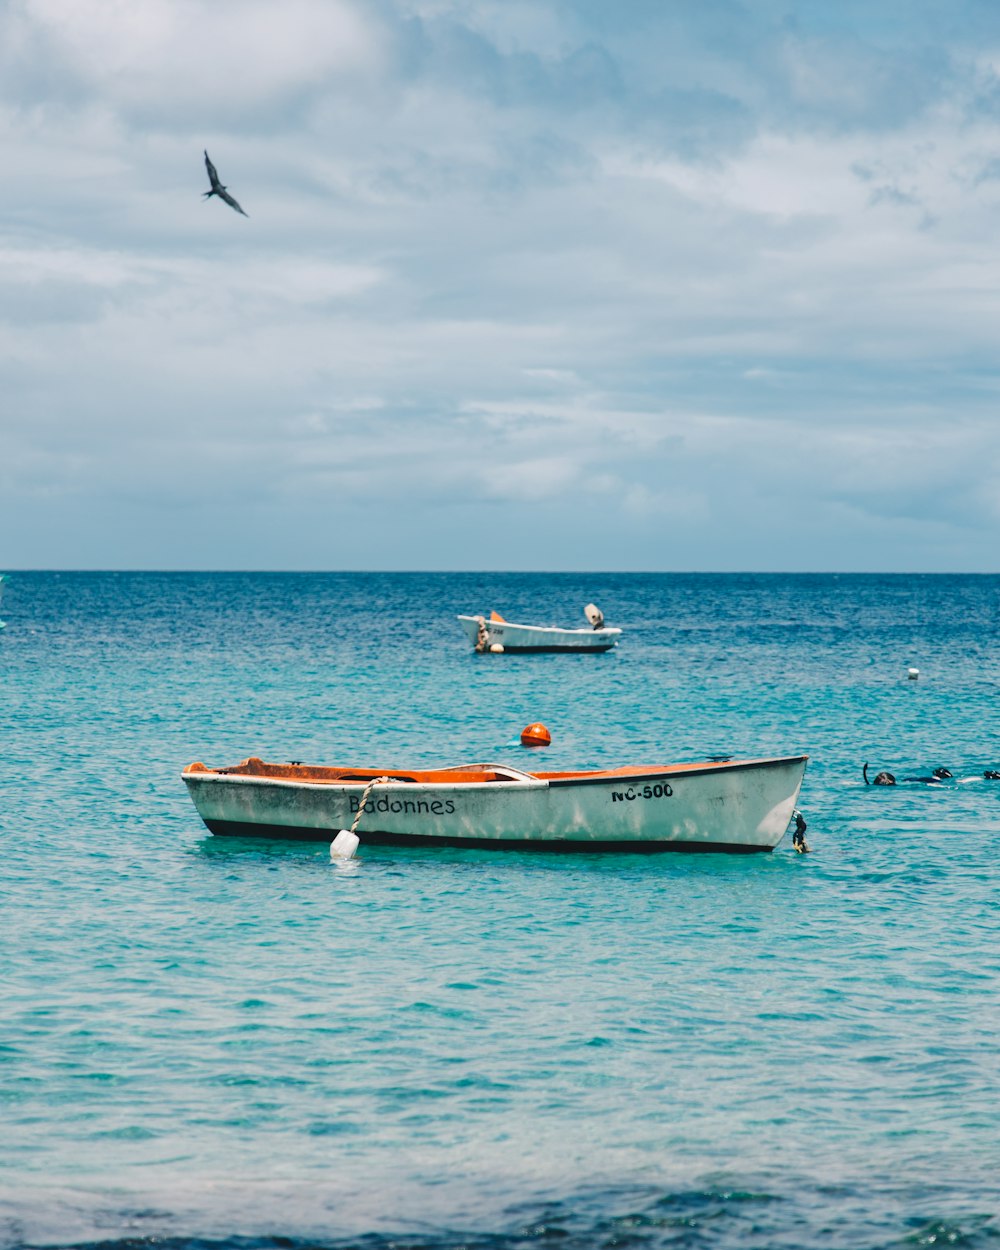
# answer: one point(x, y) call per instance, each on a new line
point(552, 650)
point(375, 837)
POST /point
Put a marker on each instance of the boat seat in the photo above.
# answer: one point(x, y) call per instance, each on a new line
point(367, 777)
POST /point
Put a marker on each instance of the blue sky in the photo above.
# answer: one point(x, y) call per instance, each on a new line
point(524, 285)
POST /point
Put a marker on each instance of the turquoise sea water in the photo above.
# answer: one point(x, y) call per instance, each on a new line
point(219, 1043)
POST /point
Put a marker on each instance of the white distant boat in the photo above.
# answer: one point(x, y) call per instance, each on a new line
point(731, 805)
point(494, 633)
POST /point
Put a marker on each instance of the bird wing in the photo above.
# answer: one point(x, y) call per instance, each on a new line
point(213, 174)
point(224, 195)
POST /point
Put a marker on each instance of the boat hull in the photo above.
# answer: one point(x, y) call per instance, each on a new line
point(523, 638)
point(738, 806)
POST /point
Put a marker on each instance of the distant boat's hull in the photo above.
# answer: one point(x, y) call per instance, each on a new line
point(733, 806)
point(517, 638)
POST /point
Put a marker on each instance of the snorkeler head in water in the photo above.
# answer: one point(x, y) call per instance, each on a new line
point(888, 779)
point(881, 779)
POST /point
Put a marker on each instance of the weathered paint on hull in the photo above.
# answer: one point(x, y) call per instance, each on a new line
point(743, 805)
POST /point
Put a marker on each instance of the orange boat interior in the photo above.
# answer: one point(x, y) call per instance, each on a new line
point(294, 771)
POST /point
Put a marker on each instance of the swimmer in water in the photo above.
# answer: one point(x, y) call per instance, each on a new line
point(881, 779)
point(799, 836)
point(888, 779)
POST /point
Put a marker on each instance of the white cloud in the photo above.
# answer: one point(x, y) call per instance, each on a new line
point(219, 56)
point(533, 479)
point(677, 505)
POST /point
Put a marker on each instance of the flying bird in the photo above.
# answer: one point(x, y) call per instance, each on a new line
point(218, 189)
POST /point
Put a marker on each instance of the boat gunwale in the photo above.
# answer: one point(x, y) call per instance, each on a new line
point(697, 769)
point(588, 777)
point(606, 631)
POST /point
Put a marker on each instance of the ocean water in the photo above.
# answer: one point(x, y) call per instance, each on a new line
point(223, 1043)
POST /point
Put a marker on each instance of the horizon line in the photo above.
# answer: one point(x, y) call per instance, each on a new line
point(7, 570)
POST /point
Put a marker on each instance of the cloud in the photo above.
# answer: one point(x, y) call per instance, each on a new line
point(722, 276)
point(164, 60)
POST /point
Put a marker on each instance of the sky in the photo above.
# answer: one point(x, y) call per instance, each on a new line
point(525, 284)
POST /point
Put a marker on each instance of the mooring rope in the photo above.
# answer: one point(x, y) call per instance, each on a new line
point(482, 635)
point(375, 781)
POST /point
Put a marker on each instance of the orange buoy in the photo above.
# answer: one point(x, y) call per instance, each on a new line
point(535, 736)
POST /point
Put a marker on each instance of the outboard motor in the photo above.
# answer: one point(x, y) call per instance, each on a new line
point(594, 614)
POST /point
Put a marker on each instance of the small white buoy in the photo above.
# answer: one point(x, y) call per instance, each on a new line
point(913, 673)
point(497, 648)
point(344, 845)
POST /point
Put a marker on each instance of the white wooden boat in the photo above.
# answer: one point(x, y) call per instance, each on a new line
point(731, 805)
point(494, 633)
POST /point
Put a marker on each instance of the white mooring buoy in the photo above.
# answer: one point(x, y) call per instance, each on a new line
point(347, 841)
point(344, 845)
point(913, 673)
